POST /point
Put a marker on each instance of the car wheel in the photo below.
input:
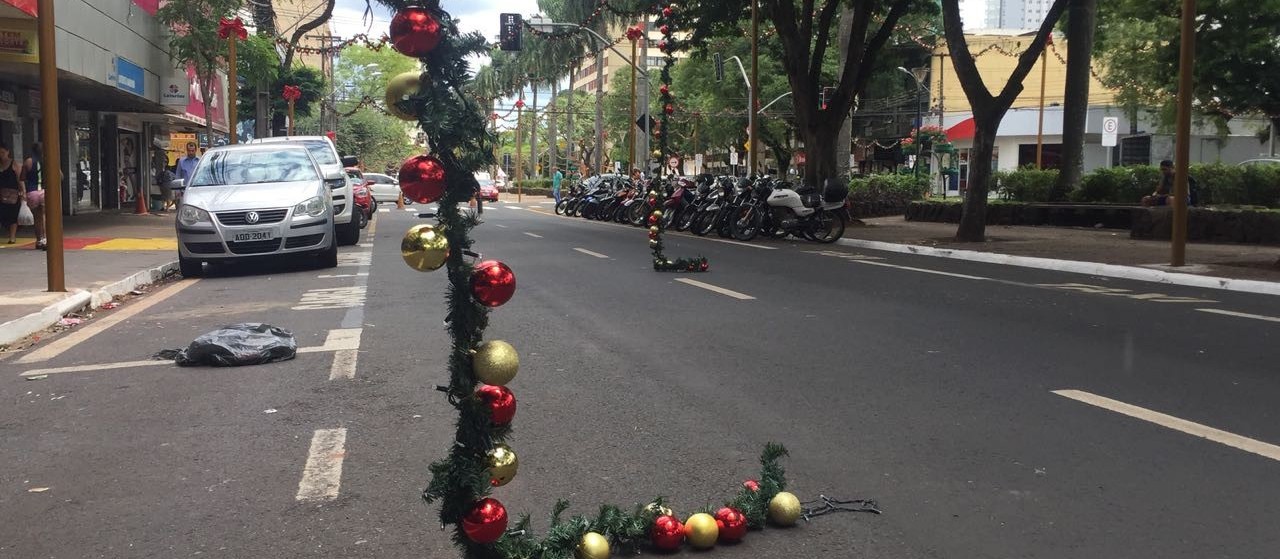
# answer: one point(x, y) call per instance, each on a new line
point(364, 219)
point(329, 257)
point(190, 267)
point(349, 233)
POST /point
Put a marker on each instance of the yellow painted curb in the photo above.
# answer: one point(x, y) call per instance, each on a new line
point(135, 244)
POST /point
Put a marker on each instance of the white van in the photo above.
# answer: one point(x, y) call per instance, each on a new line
point(335, 176)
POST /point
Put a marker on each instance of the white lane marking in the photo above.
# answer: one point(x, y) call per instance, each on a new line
point(344, 364)
point(1219, 436)
point(384, 210)
point(354, 259)
point(720, 290)
point(335, 276)
point(1241, 315)
point(331, 298)
point(341, 339)
point(513, 207)
point(96, 367)
point(726, 241)
point(925, 270)
point(533, 235)
point(500, 225)
point(322, 476)
point(590, 253)
point(411, 209)
point(59, 345)
point(844, 255)
point(1117, 292)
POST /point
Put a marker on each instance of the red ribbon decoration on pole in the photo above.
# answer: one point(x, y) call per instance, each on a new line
point(232, 27)
point(292, 93)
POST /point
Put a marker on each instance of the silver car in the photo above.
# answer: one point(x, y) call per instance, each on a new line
point(255, 200)
point(384, 188)
point(332, 167)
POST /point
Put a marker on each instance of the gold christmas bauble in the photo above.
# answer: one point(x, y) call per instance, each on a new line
point(503, 464)
point(654, 229)
point(701, 531)
point(400, 88)
point(784, 509)
point(424, 248)
point(495, 363)
point(657, 214)
point(653, 244)
point(592, 546)
point(657, 509)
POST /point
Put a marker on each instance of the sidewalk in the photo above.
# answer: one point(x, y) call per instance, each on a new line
point(101, 249)
point(1105, 246)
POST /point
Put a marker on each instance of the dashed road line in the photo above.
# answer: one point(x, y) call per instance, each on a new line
point(1241, 315)
point(716, 289)
point(344, 364)
point(500, 225)
point(331, 298)
point(590, 253)
point(534, 235)
point(336, 276)
point(59, 345)
point(1254, 446)
point(384, 210)
point(322, 475)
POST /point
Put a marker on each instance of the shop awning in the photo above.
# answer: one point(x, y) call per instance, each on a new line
point(964, 130)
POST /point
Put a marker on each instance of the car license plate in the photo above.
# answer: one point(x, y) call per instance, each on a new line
point(246, 236)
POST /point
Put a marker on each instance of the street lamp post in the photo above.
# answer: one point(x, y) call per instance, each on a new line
point(545, 25)
point(917, 75)
point(751, 112)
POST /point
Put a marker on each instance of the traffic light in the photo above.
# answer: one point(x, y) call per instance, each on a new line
point(719, 67)
point(512, 27)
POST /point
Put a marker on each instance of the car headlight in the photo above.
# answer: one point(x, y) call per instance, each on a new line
point(334, 184)
point(313, 207)
point(191, 215)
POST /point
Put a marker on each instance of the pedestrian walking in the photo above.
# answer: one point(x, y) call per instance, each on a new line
point(160, 166)
point(187, 165)
point(31, 179)
point(557, 177)
point(11, 193)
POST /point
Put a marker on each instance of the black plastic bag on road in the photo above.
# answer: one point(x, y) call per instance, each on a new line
point(236, 345)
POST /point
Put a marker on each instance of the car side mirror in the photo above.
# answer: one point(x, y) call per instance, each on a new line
point(350, 161)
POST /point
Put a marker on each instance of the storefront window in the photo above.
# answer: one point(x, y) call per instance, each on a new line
point(84, 197)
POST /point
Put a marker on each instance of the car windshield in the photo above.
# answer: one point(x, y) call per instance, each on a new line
point(322, 152)
point(219, 168)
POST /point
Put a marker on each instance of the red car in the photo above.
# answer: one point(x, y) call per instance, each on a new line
point(362, 196)
point(488, 190)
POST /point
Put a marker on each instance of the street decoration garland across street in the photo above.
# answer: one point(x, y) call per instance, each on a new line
point(657, 196)
point(480, 459)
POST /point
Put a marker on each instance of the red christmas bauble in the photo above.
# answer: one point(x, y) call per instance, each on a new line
point(653, 220)
point(493, 283)
point(732, 524)
point(500, 401)
point(667, 11)
point(519, 103)
point(665, 29)
point(653, 236)
point(662, 46)
point(422, 179)
point(667, 533)
point(751, 484)
point(705, 266)
point(414, 32)
point(486, 521)
point(669, 108)
point(664, 89)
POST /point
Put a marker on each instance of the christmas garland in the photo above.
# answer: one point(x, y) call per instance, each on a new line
point(657, 196)
point(479, 459)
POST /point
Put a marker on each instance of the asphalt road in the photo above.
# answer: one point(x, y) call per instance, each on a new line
point(926, 384)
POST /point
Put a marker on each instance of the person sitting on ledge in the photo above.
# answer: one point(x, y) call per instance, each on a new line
point(1164, 191)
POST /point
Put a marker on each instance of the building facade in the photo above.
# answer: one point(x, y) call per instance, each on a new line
point(1005, 14)
point(119, 96)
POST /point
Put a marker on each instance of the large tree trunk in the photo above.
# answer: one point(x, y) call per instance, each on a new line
point(1075, 109)
point(533, 135)
point(973, 219)
point(820, 153)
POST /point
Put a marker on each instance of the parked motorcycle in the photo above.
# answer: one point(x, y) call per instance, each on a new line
point(806, 212)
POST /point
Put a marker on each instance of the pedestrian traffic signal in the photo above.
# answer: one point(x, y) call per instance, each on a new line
point(512, 27)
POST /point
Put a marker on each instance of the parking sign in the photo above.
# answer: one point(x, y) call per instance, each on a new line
point(1110, 130)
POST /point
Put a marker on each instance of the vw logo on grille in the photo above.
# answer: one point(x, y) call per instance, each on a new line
point(251, 217)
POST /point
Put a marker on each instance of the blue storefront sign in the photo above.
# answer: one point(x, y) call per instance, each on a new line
point(129, 76)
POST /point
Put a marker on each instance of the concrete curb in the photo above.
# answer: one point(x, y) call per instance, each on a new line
point(19, 328)
point(1077, 267)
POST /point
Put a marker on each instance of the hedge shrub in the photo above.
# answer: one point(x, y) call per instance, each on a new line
point(1027, 184)
point(1219, 184)
point(908, 187)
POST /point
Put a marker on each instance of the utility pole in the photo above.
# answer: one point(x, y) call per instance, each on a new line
point(599, 139)
point(50, 163)
point(631, 144)
point(1044, 70)
point(1182, 148)
point(519, 145)
point(644, 96)
point(533, 134)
